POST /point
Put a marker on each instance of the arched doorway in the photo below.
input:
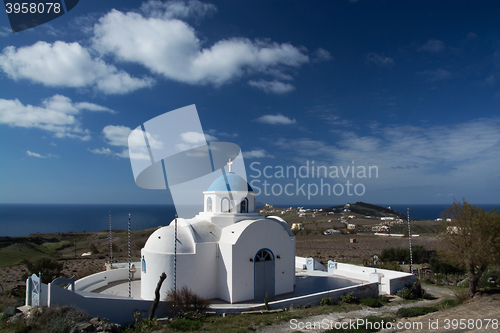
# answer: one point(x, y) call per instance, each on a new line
point(264, 274)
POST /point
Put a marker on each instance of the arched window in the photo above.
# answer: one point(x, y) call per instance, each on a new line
point(143, 264)
point(244, 206)
point(225, 207)
point(264, 255)
point(209, 204)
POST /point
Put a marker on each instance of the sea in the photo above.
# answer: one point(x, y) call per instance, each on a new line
point(26, 219)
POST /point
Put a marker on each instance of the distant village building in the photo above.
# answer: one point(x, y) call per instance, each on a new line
point(331, 232)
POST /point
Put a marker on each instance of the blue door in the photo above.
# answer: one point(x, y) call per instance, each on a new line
point(264, 274)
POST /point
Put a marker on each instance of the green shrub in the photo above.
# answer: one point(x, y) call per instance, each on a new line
point(187, 301)
point(93, 248)
point(349, 299)
point(371, 302)
point(145, 325)
point(182, 324)
point(401, 254)
point(414, 291)
point(437, 265)
point(383, 299)
point(58, 319)
point(327, 301)
point(391, 265)
point(461, 295)
point(447, 303)
point(490, 278)
point(416, 311)
point(50, 269)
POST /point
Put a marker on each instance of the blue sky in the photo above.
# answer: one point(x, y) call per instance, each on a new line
point(411, 88)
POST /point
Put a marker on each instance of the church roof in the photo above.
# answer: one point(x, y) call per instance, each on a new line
point(235, 182)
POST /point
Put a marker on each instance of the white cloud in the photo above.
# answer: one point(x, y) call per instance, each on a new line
point(56, 114)
point(433, 46)
point(276, 119)
point(29, 153)
point(214, 132)
point(168, 46)
point(197, 138)
point(470, 36)
point(177, 9)
point(117, 135)
point(275, 87)
point(322, 55)
point(438, 74)
point(464, 153)
point(66, 65)
point(102, 151)
point(93, 107)
point(491, 80)
point(379, 60)
point(123, 136)
point(256, 153)
point(4, 31)
point(193, 139)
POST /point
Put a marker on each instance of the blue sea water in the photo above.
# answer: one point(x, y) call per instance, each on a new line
point(25, 219)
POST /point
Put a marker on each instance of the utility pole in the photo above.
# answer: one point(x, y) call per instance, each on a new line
point(409, 237)
point(175, 256)
point(129, 273)
point(110, 243)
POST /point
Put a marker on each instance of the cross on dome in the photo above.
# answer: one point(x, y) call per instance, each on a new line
point(230, 163)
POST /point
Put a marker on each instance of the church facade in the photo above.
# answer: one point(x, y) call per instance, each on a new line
point(227, 251)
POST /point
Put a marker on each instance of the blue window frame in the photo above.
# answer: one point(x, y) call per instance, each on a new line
point(209, 204)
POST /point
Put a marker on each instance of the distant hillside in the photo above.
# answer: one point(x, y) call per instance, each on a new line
point(367, 209)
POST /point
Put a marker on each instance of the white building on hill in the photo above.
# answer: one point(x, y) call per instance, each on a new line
point(227, 251)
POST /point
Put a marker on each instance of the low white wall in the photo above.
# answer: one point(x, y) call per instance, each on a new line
point(364, 290)
point(300, 263)
point(101, 279)
point(390, 281)
point(309, 264)
point(43, 293)
point(117, 309)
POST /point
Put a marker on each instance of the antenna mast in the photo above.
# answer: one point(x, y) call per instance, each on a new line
point(110, 243)
point(129, 273)
point(175, 256)
point(409, 237)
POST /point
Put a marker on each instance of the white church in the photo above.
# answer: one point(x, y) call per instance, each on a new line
point(227, 251)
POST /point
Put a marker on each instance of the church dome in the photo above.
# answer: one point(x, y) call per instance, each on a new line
point(235, 182)
point(162, 240)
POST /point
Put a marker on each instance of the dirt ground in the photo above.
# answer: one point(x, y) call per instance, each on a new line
point(478, 309)
point(339, 247)
point(321, 247)
point(11, 277)
point(475, 314)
